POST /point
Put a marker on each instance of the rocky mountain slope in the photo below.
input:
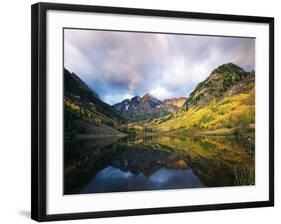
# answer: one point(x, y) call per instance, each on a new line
point(143, 108)
point(214, 87)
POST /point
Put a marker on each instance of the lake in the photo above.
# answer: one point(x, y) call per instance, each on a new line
point(113, 164)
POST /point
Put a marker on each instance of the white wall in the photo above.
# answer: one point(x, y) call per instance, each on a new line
point(15, 110)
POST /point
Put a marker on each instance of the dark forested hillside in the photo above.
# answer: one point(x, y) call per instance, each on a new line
point(84, 112)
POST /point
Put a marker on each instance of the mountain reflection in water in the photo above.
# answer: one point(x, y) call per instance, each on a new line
point(155, 163)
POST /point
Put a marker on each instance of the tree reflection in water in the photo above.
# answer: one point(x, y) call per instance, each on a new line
point(156, 162)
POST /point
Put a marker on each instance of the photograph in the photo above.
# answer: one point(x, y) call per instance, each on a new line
point(146, 111)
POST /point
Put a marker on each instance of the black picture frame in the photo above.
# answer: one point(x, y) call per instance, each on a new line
point(39, 107)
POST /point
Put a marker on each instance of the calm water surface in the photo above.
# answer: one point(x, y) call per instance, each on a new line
point(154, 163)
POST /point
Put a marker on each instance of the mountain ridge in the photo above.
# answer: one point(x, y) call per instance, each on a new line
point(224, 100)
point(145, 107)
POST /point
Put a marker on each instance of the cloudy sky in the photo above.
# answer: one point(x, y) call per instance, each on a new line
point(120, 65)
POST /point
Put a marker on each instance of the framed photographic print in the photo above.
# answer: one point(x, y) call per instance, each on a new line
point(140, 111)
